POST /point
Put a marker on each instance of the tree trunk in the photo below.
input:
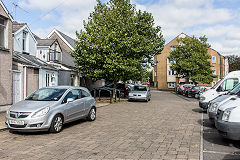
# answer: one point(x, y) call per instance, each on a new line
point(115, 90)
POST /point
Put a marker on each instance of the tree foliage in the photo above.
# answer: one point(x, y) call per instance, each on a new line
point(234, 63)
point(117, 41)
point(191, 59)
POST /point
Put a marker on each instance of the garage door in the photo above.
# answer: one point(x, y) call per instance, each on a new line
point(16, 86)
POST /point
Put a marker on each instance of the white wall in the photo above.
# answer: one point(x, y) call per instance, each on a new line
point(31, 44)
point(44, 53)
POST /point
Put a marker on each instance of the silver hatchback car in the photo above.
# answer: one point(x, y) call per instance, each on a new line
point(49, 108)
point(139, 93)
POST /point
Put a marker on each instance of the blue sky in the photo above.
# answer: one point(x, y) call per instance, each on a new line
point(219, 20)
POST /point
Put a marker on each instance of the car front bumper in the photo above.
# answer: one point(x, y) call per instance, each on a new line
point(28, 124)
point(137, 98)
point(230, 130)
point(211, 116)
point(203, 105)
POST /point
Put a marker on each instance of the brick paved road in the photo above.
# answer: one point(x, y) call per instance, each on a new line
point(167, 127)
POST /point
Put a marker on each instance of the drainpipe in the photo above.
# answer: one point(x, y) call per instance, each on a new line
point(25, 82)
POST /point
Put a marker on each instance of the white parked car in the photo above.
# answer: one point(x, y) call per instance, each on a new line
point(222, 87)
point(220, 100)
point(227, 120)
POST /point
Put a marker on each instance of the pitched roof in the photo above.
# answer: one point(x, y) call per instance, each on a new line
point(33, 61)
point(35, 36)
point(5, 9)
point(45, 42)
point(17, 26)
point(67, 59)
point(68, 40)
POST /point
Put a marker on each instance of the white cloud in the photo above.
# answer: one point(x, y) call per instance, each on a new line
point(201, 17)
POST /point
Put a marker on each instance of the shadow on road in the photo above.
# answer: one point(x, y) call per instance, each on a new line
point(198, 110)
point(65, 126)
point(234, 156)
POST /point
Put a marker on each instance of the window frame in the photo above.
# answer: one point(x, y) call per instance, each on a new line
point(214, 61)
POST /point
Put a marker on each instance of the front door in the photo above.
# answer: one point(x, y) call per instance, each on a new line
point(16, 86)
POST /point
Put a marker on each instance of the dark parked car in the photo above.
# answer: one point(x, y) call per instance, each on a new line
point(194, 91)
point(187, 88)
point(107, 90)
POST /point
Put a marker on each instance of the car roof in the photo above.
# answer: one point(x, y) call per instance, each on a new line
point(66, 87)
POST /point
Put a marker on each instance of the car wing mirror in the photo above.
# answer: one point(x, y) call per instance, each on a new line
point(70, 100)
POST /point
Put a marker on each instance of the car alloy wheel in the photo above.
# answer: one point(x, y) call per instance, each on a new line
point(92, 114)
point(57, 124)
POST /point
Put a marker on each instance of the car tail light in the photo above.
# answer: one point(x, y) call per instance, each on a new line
point(187, 89)
point(193, 90)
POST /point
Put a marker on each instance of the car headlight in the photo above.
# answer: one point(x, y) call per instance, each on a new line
point(130, 94)
point(214, 107)
point(8, 112)
point(226, 114)
point(202, 98)
point(41, 112)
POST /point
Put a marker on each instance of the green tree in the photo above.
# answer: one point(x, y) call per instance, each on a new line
point(191, 59)
point(117, 42)
point(234, 63)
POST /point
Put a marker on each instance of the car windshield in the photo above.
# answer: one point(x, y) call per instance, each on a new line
point(215, 86)
point(140, 88)
point(46, 94)
point(235, 90)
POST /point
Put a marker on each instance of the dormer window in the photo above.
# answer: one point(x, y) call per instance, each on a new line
point(2, 32)
point(24, 41)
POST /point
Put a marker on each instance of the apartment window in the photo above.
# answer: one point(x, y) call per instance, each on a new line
point(171, 85)
point(214, 72)
point(171, 72)
point(173, 48)
point(2, 32)
point(213, 59)
point(169, 61)
point(213, 83)
point(155, 62)
point(155, 73)
point(24, 40)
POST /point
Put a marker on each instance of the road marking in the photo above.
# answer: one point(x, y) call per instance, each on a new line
point(201, 146)
point(215, 152)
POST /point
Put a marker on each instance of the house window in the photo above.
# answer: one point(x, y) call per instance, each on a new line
point(214, 72)
point(24, 40)
point(48, 75)
point(2, 32)
point(155, 62)
point(213, 59)
point(50, 79)
point(171, 85)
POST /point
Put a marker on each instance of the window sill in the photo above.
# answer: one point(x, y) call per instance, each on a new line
point(4, 49)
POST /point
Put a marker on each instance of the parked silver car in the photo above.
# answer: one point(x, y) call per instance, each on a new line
point(139, 92)
point(49, 108)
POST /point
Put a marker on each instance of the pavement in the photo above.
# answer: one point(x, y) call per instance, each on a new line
point(164, 128)
point(3, 113)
